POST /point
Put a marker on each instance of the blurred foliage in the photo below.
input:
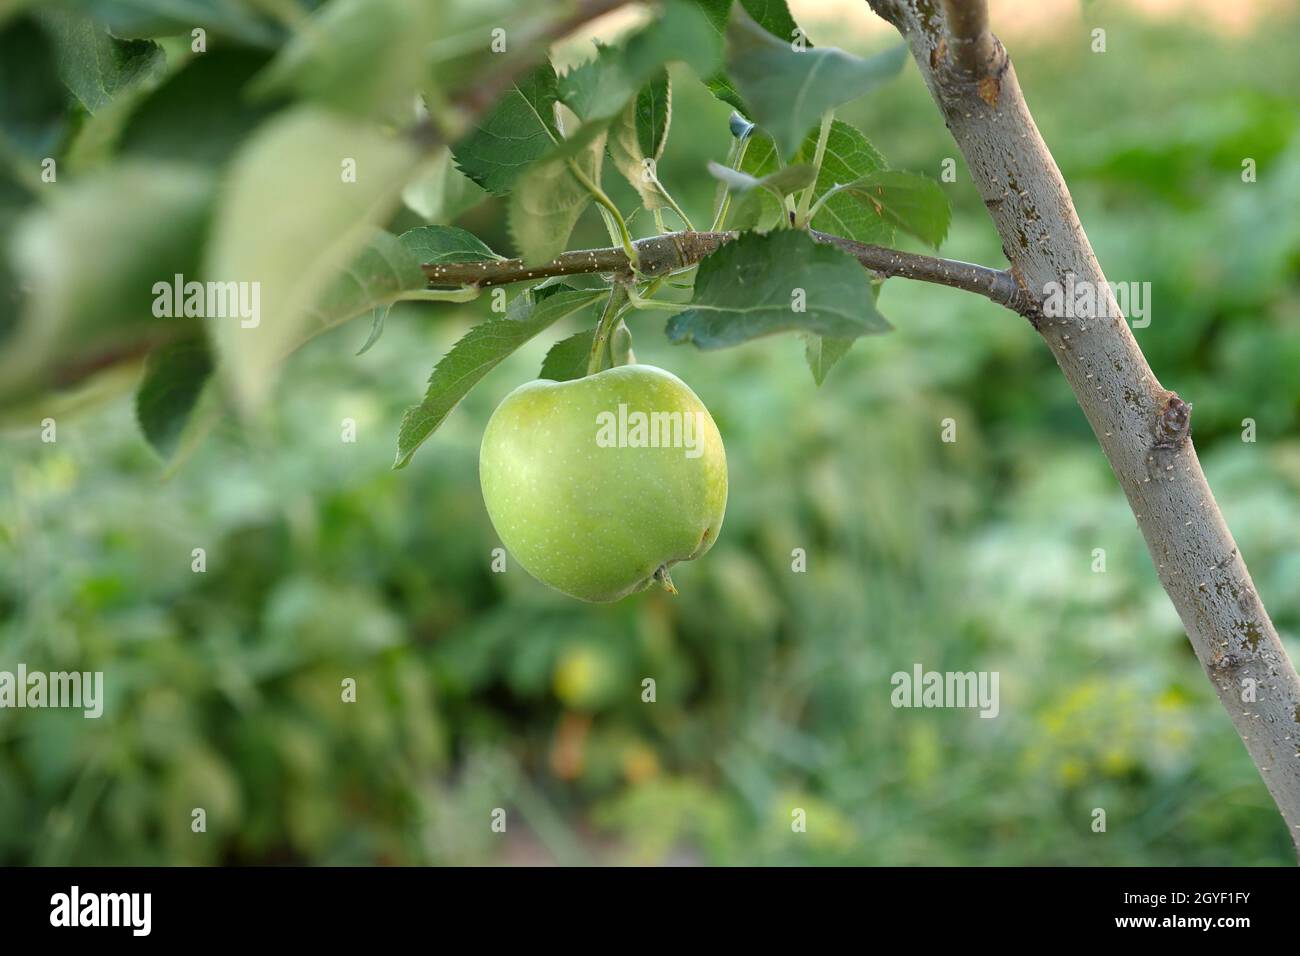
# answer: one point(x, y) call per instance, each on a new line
point(478, 690)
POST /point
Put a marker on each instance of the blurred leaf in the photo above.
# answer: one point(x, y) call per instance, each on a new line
point(567, 358)
point(440, 244)
point(788, 90)
point(772, 15)
point(298, 163)
point(32, 108)
point(377, 319)
point(95, 65)
point(90, 258)
point(781, 183)
point(751, 287)
point(823, 352)
point(237, 19)
point(201, 114)
point(600, 88)
point(376, 278)
point(363, 57)
point(442, 192)
point(476, 354)
point(174, 377)
point(519, 130)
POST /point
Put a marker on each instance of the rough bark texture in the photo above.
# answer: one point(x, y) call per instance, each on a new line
point(1143, 428)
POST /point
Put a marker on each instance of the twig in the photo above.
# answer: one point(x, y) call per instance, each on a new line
point(660, 255)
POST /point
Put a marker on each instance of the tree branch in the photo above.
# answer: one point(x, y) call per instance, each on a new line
point(1143, 428)
point(660, 255)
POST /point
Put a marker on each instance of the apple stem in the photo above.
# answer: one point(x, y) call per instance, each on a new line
point(598, 360)
point(662, 576)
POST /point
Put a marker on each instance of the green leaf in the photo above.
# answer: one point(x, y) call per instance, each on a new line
point(756, 285)
point(235, 19)
point(628, 157)
point(567, 359)
point(637, 138)
point(772, 15)
point(33, 106)
point(440, 244)
point(781, 183)
point(654, 112)
point(869, 201)
point(200, 114)
point(789, 90)
point(363, 57)
point(442, 192)
point(549, 199)
point(592, 281)
point(89, 259)
point(480, 350)
point(377, 319)
point(597, 88)
point(823, 353)
point(299, 161)
point(94, 65)
point(600, 88)
point(758, 210)
point(174, 377)
point(912, 202)
point(384, 269)
point(849, 156)
point(520, 130)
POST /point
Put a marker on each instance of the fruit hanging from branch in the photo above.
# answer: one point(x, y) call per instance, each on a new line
point(598, 486)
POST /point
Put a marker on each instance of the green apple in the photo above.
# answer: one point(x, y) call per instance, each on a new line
point(597, 486)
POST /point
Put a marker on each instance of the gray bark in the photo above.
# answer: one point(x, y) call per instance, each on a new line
point(1143, 428)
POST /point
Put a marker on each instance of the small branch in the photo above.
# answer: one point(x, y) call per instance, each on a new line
point(656, 256)
point(660, 255)
point(997, 285)
point(969, 38)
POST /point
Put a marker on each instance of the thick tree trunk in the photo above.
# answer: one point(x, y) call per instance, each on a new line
point(1142, 427)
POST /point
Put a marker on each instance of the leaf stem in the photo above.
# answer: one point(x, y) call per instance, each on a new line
point(638, 301)
point(599, 195)
point(672, 204)
point(724, 207)
point(802, 216)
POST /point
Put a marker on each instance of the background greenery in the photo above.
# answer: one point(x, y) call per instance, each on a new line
point(481, 690)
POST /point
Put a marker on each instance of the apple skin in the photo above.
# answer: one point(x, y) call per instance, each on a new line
point(597, 522)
